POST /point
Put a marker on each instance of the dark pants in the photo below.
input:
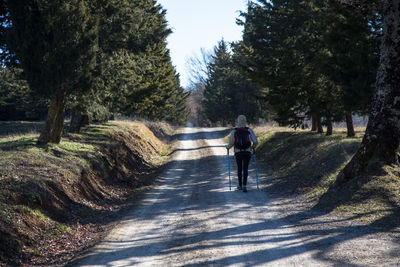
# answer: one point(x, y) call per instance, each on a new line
point(242, 160)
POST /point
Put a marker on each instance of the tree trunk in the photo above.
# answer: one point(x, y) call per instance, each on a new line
point(329, 129)
point(78, 120)
point(54, 123)
point(44, 137)
point(59, 124)
point(313, 122)
point(382, 136)
point(319, 124)
point(350, 125)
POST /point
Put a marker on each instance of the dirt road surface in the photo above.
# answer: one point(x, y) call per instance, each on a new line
point(191, 218)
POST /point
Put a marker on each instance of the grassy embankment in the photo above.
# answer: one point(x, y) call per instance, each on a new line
point(307, 163)
point(56, 200)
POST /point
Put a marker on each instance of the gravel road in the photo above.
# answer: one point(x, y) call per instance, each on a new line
point(191, 218)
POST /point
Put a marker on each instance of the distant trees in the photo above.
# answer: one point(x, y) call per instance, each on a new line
point(95, 57)
point(17, 101)
point(197, 66)
point(227, 93)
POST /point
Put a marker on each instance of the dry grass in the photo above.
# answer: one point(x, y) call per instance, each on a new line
point(308, 163)
point(47, 189)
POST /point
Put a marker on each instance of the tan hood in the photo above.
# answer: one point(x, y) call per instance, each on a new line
point(241, 121)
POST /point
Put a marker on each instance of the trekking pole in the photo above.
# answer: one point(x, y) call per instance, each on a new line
point(229, 171)
point(255, 166)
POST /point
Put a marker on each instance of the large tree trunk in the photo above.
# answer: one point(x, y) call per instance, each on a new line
point(329, 128)
point(349, 124)
point(382, 137)
point(313, 122)
point(320, 129)
point(52, 130)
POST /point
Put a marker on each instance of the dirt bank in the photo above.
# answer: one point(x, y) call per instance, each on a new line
point(58, 200)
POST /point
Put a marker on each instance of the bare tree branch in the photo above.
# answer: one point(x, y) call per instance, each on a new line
point(197, 66)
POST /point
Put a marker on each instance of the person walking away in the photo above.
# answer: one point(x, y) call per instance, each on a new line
point(244, 141)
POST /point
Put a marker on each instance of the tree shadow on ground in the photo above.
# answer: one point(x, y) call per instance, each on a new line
point(18, 128)
point(307, 230)
point(301, 160)
point(216, 134)
point(368, 188)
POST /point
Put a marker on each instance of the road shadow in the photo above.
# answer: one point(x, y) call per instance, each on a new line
point(192, 149)
point(199, 135)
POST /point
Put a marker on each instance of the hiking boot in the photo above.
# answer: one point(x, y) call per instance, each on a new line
point(244, 189)
point(239, 187)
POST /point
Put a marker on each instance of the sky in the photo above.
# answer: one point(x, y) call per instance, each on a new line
point(200, 24)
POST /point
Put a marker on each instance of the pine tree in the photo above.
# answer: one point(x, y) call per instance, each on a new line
point(294, 51)
point(126, 29)
point(17, 100)
point(227, 93)
point(159, 95)
point(279, 57)
point(134, 74)
point(352, 40)
point(57, 51)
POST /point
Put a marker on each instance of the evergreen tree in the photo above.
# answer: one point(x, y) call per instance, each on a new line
point(292, 50)
point(57, 51)
point(227, 94)
point(382, 137)
point(136, 75)
point(126, 31)
point(159, 95)
point(114, 59)
point(277, 57)
point(17, 100)
point(352, 39)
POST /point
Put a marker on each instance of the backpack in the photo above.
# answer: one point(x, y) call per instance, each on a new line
point(242, 138)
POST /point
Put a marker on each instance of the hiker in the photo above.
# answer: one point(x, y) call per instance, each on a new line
point(244, 141)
